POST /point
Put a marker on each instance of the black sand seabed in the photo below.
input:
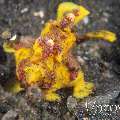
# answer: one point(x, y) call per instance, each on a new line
point(99, 60)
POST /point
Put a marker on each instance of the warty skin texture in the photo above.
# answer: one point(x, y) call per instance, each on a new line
point(49, 63)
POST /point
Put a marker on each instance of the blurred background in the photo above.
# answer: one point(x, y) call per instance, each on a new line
point(99, 60)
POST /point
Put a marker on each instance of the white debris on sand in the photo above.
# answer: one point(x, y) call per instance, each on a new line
point(39, 14)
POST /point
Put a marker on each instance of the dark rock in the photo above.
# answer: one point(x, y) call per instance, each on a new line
point(116, 100)
point(3, 74)
point(71, 103)
point(34, 94)
point(2, 56)
point(4, 108)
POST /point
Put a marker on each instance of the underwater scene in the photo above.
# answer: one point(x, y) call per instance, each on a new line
point(59, 60)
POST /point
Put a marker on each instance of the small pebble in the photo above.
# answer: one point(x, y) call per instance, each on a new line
point(86, 20)
point(42, 22)
point(71, 103)
point(80, 60)
point(34, 94)
point(6, 34)
point(24, 10)
point(85, 58)
point(39, 14)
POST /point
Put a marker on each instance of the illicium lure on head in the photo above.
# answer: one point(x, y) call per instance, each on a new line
point(49, 63)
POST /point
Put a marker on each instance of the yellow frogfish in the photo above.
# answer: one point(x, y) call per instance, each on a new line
point(48, 62)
